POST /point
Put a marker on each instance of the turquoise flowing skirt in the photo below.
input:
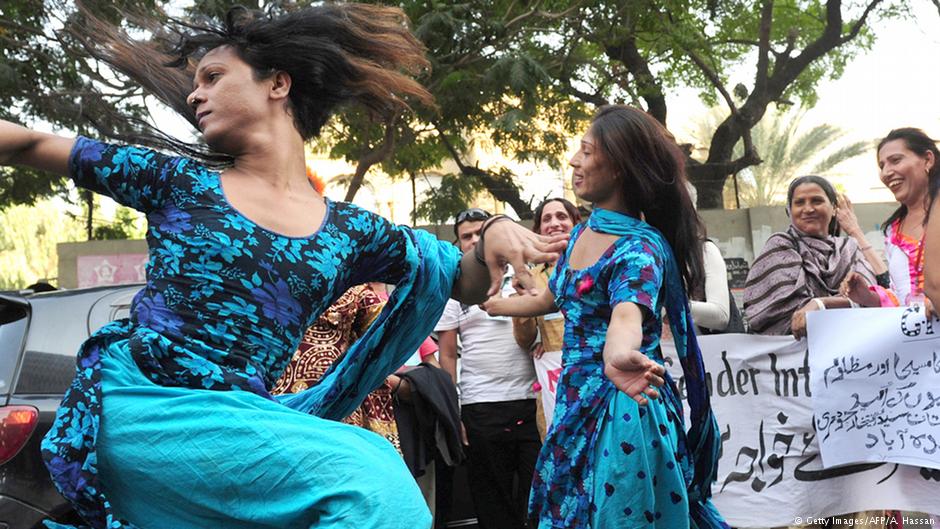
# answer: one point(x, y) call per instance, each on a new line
point(201, 459)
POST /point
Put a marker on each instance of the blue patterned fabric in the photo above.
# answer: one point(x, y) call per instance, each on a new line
point(607, 461)
point(226, 303)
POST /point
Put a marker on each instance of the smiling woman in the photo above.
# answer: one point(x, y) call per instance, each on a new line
point(909, 162)
point(811, 210)
point(802, 269)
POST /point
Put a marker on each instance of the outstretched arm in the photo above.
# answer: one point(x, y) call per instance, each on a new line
point(630, 370)
point(504, 242)
point(22, 146)
point(524, 305)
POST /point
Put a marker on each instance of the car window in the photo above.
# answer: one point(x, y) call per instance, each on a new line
point(59, 326)
point(13, 320)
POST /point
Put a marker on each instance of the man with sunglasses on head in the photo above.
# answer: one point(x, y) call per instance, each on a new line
point(497, 401)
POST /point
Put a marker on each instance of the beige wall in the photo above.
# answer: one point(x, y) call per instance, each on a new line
point(743, 232)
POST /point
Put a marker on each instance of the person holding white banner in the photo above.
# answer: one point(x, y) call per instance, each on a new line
point(801, 269)
point(616, 456)
point(542, 335)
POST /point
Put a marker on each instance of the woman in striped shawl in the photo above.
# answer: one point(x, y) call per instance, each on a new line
point(799, 270)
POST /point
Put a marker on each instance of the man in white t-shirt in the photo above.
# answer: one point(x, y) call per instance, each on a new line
point(497, 401)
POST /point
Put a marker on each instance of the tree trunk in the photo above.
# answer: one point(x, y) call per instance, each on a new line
point(370, 158)
point(90, 202)
point(709, 181)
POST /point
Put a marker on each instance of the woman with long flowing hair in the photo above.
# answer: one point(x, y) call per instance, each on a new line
point(616, 455)
point(170, 421)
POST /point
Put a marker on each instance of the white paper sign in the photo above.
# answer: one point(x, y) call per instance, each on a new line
point(770, 473)
point(876, 385)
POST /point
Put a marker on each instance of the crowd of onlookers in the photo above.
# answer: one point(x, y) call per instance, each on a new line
point(811, 266)
point(821, 261)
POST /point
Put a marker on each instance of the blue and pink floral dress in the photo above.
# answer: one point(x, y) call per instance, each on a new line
point(608, 462)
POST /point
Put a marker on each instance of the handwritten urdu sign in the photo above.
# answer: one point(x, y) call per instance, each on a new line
point(876, 385)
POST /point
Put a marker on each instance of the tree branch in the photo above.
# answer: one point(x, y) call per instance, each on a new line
point(370, 158)
point(19, 27)
point(746, 160)
point(786, 71)
point(766, 23)
point(629, 55)
point(860, 23)
point(743, 125)
point(712, 76)
point(536, 12)
point(594, 99)
point(499, 186)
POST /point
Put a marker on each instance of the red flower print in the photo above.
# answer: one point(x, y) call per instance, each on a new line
point(585, 285)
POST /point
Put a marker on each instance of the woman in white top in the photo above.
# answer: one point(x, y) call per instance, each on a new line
point(710, 303)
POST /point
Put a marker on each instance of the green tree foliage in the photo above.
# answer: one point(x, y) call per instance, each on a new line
point(640, 50)
point(490, 80)
point(506, 68)
point(125, 225)
point(788, 153)
point(524, 74)
point(28, 242)
point(46, 81)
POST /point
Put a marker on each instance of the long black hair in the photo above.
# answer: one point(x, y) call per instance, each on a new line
point(334, 53)
point(651, 170)
point(834, 228)
point(918, 142)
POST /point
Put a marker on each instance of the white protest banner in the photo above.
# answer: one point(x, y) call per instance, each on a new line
point(770, 473)
point(876, 385)
point(547, 370)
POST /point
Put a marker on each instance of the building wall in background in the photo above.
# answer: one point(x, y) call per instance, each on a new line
point(740, 234)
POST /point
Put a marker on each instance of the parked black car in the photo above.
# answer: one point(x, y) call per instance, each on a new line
point(40, 335)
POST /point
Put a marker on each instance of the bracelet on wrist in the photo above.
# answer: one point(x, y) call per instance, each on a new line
point(819, 304)
point(398, 386)
point(478, 252)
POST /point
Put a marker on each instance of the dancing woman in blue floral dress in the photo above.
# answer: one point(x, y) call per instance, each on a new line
point(615, 458)
point(169, 422)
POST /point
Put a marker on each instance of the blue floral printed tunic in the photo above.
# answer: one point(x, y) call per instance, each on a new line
point(608, 462)
point(225, 305)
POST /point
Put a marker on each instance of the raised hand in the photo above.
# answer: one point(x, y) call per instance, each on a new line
point(855, 287)
point(507, 242)
point(845, 215)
